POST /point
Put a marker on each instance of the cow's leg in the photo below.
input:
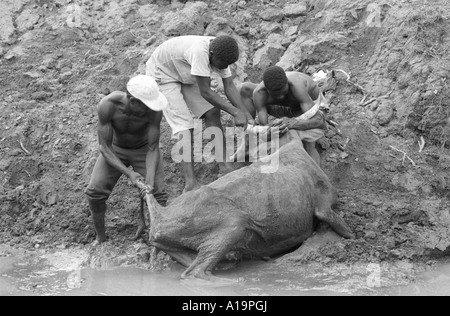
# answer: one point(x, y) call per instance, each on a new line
point(328, 216)
point(182, 256)
point(186, 256)
point(230, 261)
point(214, 249)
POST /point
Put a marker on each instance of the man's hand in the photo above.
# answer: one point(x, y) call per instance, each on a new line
point(144, 189)
point(135, 178)
point(250, 119)
point(324, 121)
point(139, 182)
point(240, 119)
point(283, 125)
point(273, 132)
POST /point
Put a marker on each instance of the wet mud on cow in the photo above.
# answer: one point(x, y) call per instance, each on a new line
point(246, 213)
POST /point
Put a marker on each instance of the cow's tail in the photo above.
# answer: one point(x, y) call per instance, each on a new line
point(154, 208)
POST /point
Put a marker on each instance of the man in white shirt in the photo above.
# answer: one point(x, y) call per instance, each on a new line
point(183, 66)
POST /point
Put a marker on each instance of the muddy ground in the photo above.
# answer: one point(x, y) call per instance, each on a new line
point(59, 58)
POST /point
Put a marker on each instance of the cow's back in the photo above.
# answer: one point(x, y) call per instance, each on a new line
point(279, 206)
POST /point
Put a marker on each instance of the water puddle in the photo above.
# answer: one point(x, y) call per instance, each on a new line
point(430, 283)
point(59, 274)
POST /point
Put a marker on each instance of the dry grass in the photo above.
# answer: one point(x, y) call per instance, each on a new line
point(431, 33)
point(435, 120)
point(431, 116)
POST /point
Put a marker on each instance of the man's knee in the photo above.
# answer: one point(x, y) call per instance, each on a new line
point(94, 196)
point(246, 89)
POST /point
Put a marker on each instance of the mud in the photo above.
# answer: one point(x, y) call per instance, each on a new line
point(66, 273)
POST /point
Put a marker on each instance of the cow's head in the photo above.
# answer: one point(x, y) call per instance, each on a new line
point(324, 103)
point(326, 81)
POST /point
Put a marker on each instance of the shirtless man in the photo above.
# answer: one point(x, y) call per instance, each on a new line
point(128, 135)
point(285, 95)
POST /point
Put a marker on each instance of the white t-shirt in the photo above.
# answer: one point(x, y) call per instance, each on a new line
point(180, 58)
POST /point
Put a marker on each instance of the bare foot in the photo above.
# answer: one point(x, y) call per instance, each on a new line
point(96, 243)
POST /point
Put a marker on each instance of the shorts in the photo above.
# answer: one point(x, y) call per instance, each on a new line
point(185, 104)
point(104, 177)
point(311, 135)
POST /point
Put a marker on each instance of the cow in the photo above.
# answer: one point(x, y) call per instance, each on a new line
point(247, 213)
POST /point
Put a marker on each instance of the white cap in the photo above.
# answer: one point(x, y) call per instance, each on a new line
point(145, 88)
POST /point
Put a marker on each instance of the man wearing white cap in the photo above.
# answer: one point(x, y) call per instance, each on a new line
point(128, 135)
point(183, 66)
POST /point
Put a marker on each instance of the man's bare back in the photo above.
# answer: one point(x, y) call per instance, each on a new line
point(299, 84)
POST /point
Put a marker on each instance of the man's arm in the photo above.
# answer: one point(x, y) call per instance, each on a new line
point(234, 97)
point(213, 98)
point(105, 131)
point(260, 101)
point(153, 153)
point(302, 96)
point(317, 121)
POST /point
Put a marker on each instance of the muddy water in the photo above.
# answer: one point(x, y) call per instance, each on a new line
point(61, 275)
point(38, 277)
point(435, 282)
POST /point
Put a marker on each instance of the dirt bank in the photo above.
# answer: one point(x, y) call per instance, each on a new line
point(58, 58)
